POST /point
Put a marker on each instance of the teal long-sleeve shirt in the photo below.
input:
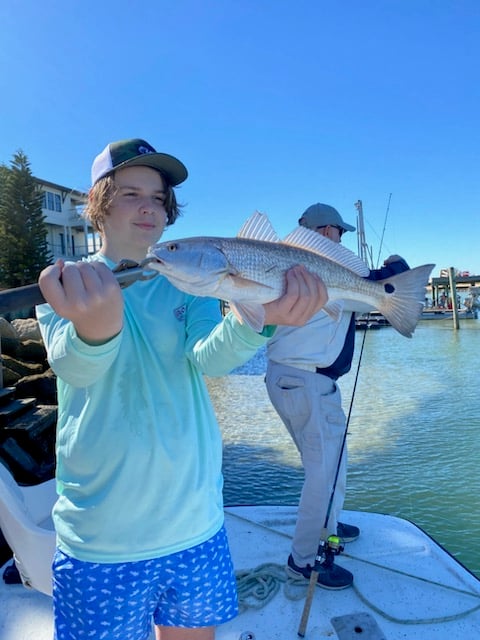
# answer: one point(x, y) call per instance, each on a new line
point(139, 450)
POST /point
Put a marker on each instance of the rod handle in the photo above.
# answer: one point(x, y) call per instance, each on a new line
point(308, 604)
point(20, 298)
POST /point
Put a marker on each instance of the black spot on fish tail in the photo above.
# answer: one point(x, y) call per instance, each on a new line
point(403, 305)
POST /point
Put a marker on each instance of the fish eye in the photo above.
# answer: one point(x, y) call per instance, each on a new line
point(172, 246)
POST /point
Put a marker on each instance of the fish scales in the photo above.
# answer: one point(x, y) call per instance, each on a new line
point(267, 262)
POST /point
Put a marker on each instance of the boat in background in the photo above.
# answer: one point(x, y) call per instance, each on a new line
point(440, 313)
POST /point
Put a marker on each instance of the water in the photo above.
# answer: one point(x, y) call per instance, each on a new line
point(414, 434)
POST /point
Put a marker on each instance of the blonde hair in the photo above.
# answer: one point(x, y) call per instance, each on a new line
point(103, 191)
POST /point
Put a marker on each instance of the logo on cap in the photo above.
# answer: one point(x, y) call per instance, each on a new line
point(142, 149)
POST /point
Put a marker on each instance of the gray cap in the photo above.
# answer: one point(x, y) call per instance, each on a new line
point(322, 215)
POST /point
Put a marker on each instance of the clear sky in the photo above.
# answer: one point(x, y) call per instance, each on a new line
point(272, 105)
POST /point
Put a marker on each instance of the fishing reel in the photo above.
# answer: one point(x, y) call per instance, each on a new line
point(328, 549)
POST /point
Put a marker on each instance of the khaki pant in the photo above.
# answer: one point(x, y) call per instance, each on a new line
point(310, 406)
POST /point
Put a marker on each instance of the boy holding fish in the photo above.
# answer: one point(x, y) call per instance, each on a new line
point(304, 364)
point(139, 515)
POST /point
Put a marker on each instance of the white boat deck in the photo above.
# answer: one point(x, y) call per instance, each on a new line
point(405, 584)
point(405, 587)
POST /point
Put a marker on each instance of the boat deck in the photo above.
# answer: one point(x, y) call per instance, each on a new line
point(406, 586)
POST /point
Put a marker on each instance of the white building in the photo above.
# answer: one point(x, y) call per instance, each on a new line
point(69, 234)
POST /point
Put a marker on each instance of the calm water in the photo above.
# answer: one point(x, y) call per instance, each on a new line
point(414, 434)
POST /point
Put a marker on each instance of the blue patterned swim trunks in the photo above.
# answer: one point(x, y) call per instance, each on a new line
point(191, 588)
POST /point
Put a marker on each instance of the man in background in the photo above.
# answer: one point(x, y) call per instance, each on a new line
point(304, 364)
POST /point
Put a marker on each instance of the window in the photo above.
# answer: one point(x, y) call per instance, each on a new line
point(52, 201)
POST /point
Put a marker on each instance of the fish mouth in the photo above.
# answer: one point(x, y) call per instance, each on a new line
point(152, 262)
point(152, 258)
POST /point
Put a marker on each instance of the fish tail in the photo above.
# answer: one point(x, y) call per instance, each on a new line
point(405, 298)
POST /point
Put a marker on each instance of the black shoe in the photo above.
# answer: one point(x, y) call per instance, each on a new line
point(11, 575)
point(347, 532)
point(329, 577)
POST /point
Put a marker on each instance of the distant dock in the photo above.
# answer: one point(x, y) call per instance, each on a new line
point(446, 301)
point(441, 288)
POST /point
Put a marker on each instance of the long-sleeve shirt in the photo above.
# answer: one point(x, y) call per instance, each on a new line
point(139, 451)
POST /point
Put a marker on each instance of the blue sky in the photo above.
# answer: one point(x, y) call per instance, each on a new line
point(272, 105)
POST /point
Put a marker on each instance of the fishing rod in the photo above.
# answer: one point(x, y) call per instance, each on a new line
point(126, 273)
point(329, 546)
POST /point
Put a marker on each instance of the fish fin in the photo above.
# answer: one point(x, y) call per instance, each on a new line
point(333, 309)
point(357, 306)
point(405, 298)
point(239, 282)
point(258, 227)
point(249, 313)
point(304, 238)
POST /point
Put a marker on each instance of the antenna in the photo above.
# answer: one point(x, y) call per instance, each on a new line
point(383, 230)
point(364, 251)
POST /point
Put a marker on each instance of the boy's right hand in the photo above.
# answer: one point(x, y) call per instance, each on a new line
point(88, 294)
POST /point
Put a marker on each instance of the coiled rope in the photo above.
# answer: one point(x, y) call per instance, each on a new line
point(257, 587)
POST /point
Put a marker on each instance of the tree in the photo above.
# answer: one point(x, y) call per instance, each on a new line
point(23, 233)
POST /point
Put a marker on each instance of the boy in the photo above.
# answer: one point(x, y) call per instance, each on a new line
point(139, 517)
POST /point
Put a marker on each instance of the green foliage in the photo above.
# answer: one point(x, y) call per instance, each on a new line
point(23, 233)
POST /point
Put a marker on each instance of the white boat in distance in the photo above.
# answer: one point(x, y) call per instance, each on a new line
point(439, 313)
point(406, 586)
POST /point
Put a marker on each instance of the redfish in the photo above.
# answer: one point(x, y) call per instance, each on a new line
point(248, 271)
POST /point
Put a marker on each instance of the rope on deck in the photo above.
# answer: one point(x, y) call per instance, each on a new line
point(257, 587)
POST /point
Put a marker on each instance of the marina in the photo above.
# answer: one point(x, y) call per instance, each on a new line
point(255, 112)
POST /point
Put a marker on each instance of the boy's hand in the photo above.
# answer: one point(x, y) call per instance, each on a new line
point(305, 294)
point(86, 293)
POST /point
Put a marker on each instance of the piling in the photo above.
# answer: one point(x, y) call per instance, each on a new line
point(453, 289)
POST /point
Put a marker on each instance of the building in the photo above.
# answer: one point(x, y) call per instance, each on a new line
point(69, 234)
